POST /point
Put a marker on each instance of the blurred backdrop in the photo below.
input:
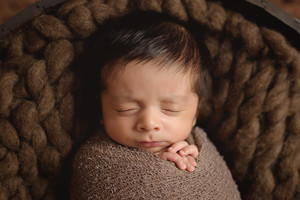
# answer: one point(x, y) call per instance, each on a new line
point(9, 8)
point(290, 6)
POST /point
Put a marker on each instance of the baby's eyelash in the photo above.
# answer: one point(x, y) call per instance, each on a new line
point(126, 110)
point(168, 110)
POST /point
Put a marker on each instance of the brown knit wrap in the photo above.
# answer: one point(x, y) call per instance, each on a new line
point(253, 114)
point(103, 169)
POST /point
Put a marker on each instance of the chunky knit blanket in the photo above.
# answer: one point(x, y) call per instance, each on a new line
point(252, 114)
point(103, 169)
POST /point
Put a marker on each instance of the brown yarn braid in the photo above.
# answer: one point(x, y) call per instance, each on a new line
point(252, 115)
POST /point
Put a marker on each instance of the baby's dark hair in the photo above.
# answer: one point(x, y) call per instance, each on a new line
point(142, 36)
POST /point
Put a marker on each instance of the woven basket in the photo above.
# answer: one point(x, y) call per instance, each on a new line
point(252, 115)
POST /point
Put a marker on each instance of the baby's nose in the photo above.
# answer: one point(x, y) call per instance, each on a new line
point(149, 120)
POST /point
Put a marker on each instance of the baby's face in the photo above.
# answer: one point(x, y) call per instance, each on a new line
point(147, 107)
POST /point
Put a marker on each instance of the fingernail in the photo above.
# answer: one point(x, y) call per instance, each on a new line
point(192, 169)
point(182, 152)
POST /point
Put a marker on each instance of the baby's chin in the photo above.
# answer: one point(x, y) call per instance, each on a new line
point(155, 150)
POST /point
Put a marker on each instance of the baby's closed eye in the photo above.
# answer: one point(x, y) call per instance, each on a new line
point(171, 111)
point(127, 111)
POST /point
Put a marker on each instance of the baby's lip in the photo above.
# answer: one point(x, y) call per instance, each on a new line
point(150, 144)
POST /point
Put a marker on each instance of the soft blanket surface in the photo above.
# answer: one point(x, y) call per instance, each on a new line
point(103, 169)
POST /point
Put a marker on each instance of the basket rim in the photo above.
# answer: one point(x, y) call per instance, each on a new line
point(267, 14)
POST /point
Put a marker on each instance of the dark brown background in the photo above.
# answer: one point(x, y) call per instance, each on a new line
point(9, 8)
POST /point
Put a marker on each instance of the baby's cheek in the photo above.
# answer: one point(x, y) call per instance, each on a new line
point(180, 132)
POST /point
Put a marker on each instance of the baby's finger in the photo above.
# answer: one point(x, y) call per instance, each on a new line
point(189, 165)
point(190, 168)
point(174, 157)
point(177, 146)
point(192, 161)
point(191, 150)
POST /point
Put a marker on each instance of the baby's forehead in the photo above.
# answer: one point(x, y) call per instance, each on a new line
point(161, 65)
point(147, 73)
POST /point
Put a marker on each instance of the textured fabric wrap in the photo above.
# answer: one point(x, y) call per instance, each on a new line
point(103, 169)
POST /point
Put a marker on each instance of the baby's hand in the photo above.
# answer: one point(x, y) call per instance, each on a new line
point(182, 154)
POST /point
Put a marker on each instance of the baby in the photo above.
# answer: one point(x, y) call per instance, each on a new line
point(149, 78)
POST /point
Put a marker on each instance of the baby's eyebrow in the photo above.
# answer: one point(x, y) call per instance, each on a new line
point(122, 98)
point(174, 99)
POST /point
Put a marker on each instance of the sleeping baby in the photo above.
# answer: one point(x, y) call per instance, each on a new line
point(148, 76)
